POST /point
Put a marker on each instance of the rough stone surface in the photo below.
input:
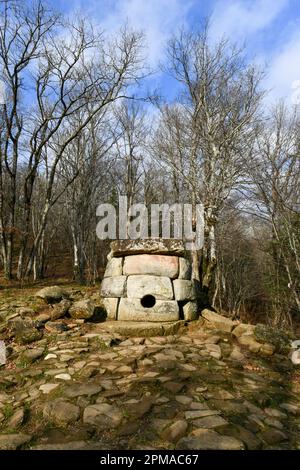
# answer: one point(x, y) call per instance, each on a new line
point(156, 265)
point(184, 290)
point(176, 431)
point(156, 246)
point(16, 419)
point(102, 415)
point(185, 269)
point(206, 439)
point(13, 441)
point(113, 286)
point(31, 355)
point(243, 329)
point(163, 310)
point(52, 294)
point(114, 267)
point(61, 412)
point(218, 321)
point(82, 309)
point(59, 310)
point(140, 285)
point(190, 311)
point(111, 307)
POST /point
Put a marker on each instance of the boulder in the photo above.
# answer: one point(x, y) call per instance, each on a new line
point(218, 321)
point(52, 294)
point(184, 290)
point(59, 310)
point(113, 286)
point(190, 311)
point(84, 308)
point(159, 286)
point(163, 310)
point(24, 330)
point(114, 267)
point(156, 265)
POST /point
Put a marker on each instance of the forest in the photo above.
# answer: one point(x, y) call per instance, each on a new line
point(81, 123)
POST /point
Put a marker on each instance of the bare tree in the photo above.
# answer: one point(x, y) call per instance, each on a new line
point(204, 137)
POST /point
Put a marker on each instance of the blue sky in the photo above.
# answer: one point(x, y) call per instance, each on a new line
point(270, 30)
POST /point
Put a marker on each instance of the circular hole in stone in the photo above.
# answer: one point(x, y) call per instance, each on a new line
point(148, 301)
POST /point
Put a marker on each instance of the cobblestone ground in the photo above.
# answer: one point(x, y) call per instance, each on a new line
point(86, 389)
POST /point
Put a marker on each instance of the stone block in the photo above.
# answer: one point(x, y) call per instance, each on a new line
point(156, 265)
point(158, 286)
point(184, 290)
point(113, 286)
point(111, 307)
point(163, 310)
point(114, 267)
point(190, 311)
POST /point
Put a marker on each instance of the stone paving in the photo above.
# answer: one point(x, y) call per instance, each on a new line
point(86, 388)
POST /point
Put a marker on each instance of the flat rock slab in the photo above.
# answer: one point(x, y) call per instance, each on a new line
point(140, 329)
point(218, 321)
point(153, 245)
point(163, 310)
point(159, 286)
point(13, 441)
point(157, 265)
point(206, 439)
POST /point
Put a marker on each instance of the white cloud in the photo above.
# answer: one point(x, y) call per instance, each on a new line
point(238, 19)
point(158, 19)
point(284, 71)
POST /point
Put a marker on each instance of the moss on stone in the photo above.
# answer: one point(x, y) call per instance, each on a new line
point(278, 338)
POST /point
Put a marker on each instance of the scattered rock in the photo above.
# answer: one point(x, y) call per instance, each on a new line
point(218, 321)
point(31, 355)
point(48, 388)
point(60, 310)
point(243, 329)
point(84, 309)
point(56, 327)
point(63, 377)
point(52, 294)
point(16, 420)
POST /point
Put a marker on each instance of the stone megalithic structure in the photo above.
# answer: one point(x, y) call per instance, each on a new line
point(148, 280)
